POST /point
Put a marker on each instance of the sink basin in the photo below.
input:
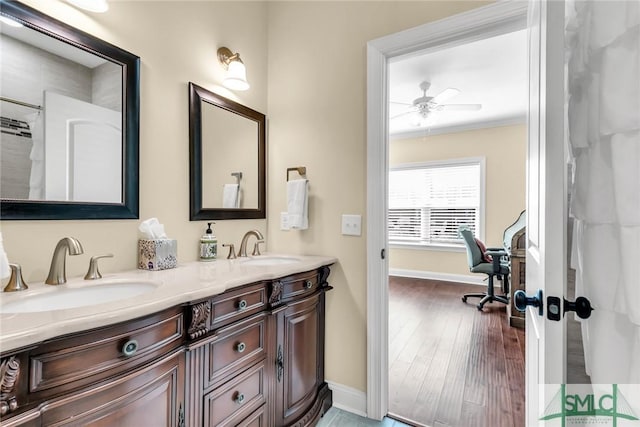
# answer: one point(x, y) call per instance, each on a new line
point(266, 260)
point(65, 298)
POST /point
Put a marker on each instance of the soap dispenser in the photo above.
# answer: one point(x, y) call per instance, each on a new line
point(208, 245)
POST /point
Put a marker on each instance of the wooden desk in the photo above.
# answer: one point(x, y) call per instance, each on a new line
point(517, 276)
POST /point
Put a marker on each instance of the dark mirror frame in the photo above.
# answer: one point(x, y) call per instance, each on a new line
point(198, 95)
point(130, 63)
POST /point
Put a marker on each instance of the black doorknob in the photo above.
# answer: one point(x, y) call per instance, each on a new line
point(581, 306)
point(521, 301)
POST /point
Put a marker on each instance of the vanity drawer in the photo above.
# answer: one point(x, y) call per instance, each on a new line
point(233, 402)
point(237, 304)
point(256, 419)
point(68, 363)
point(234, 348)
point(299, 284)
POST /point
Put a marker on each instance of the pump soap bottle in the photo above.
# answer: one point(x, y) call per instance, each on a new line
point(208, 245)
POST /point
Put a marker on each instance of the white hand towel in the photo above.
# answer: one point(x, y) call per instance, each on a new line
point(230, 199)
point(5, 271)
point(297, 204)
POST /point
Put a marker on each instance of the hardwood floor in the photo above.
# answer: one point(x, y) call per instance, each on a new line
point(451, 365)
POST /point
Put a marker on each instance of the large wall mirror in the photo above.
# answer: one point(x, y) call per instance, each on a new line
point(70, 121)
point(227, 158)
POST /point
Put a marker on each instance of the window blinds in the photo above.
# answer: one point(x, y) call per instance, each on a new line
point(427, 204)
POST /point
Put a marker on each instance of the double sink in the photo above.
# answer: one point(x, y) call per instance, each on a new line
point(64, 297)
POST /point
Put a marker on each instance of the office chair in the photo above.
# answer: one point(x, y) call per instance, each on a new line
point(478, 264)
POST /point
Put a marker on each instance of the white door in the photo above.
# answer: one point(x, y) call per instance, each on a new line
point(86, 139)
point(546, 203)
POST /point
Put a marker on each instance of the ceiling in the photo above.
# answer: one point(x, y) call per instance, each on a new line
point(491, 72)
point(52, 45)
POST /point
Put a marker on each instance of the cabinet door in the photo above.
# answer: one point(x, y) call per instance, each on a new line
point(150, 396)
point(299, 357)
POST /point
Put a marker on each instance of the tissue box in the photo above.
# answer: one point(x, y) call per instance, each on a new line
point(157, 254)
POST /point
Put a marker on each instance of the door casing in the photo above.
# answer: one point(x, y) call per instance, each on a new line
point(484, 22)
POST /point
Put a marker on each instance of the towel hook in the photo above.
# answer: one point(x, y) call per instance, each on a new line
point(302, 171)
point(238, 176)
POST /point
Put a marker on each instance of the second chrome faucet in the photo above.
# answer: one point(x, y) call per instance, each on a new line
point(57, 271)
point(243, 245)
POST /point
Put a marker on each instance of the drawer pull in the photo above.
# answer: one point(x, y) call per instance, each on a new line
point(242, 304)
point(130, 348)
point(240, 398)
point(240, 347)
point(279, 364)
point(308, 284)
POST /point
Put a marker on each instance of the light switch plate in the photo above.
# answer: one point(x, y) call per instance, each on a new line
point(352, 225)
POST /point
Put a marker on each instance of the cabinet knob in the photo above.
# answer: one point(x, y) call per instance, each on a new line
point(308, 284)
point(240, 398)
point(240, 347)
point(130, 348)
point(242, 304)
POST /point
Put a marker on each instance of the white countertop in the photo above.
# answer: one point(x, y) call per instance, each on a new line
point(187, 282)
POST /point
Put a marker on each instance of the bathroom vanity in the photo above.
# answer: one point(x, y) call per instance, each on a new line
point(232, 342)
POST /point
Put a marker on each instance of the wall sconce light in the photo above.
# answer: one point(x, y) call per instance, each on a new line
point(236, 78)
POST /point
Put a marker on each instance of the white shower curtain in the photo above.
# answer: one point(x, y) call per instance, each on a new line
point(603, 47)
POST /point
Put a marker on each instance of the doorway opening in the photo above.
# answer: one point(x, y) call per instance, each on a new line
point(457, 159)
point(484, 23)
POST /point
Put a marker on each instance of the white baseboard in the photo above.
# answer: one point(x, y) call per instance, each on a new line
point(349, 399)
point(476, 279)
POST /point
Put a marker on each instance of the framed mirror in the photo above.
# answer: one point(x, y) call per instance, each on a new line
point(70, 121)
point(226, 158)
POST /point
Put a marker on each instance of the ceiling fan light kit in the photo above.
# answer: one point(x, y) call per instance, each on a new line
point(423, 106)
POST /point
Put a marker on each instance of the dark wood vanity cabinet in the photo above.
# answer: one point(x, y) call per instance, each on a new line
point(256, 355)
point(131, 373)
point(150, 396)
point(302, 396)
point(251, 356)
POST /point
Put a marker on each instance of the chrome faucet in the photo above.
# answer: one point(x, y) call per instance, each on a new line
point(16, 282)
point(57, 271)
point(243, 245)
point(94, 273)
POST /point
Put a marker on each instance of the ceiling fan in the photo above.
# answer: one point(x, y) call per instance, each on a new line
point(425, 105)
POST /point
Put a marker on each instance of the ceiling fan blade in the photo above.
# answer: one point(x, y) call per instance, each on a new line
point(402, 114)
point(459, 107)
point(448, 93)
point(400, 103)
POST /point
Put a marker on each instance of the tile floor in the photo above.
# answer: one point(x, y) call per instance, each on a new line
point(338, 418)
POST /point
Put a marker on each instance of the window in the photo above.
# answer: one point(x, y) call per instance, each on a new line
point(429, 201)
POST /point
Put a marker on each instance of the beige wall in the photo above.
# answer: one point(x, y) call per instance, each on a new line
point(310, 59)
point(504, 150)
point(177, 43)
point(317, 119)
